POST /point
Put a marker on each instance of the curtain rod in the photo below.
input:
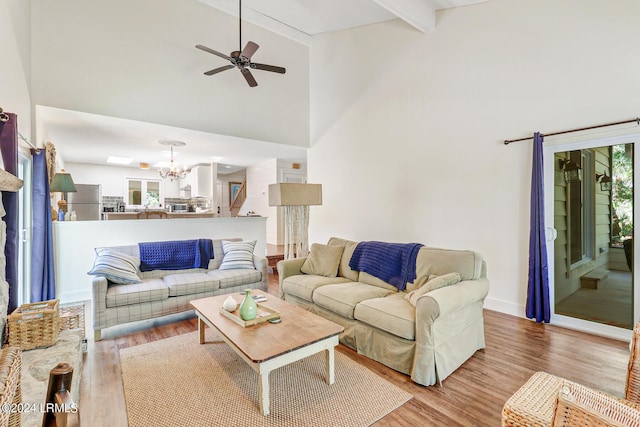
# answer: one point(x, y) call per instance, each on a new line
point(28, 143)
point(4, 117)
point(636, 120)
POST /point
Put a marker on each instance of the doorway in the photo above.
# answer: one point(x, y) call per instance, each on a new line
point(593, 216)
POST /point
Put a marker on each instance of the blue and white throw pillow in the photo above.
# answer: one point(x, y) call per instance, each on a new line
point(237, 255)
point(116, 266)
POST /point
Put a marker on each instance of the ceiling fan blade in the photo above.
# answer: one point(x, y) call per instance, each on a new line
point(219, 69)
point(249, 77)
point(266, 67)
point(215, 52)
point(249, 50)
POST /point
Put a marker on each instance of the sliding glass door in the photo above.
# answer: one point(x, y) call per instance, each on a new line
point(591, 211)
point(24, 228)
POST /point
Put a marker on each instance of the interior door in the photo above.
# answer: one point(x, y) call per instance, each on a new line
point(591, 264)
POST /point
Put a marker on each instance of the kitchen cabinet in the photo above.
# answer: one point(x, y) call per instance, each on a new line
point(200, 181)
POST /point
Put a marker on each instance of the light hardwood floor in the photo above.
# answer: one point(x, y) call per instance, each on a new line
point(472, 396)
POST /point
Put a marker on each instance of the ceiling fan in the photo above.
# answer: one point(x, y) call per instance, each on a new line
point(241, 59)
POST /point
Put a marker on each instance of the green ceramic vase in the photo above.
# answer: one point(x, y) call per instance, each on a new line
point(248, 308)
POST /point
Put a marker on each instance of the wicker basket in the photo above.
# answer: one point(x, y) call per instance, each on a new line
point(72, 317)
point(34, 325)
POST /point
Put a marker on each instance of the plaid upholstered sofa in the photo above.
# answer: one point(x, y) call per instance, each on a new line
point(162, 292)
point(426, 331)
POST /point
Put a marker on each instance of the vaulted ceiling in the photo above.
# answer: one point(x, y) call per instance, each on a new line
point(105, 93)
point(302, 19)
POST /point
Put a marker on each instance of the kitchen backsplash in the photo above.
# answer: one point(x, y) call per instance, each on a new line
point(197, 202)
point(112, 202)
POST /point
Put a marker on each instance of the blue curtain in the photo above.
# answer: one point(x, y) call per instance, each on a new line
point(538, 289)
point(43, 282)
point(9, 151)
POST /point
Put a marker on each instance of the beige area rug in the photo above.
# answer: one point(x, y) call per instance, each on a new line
point(178, 382)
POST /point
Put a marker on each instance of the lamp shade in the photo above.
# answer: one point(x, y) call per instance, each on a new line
point(63, 183)
point(286, 194)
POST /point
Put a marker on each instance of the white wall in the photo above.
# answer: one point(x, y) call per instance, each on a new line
point(258, 179)
point(113, 178)
point(74, 243)
point(137, 60)
point(407, 128)
point(14, 72)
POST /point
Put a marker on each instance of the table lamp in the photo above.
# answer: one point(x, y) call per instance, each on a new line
point(62, 183)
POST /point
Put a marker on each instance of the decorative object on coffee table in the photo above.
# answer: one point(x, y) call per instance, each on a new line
point(248, 308)
point(264, 314)
point(230, 304)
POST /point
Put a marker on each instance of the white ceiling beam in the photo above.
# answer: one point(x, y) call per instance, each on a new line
point(256, 18)
point(414, 12)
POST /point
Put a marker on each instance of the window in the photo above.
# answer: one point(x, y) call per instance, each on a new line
point(621, 194)
point(143, 192)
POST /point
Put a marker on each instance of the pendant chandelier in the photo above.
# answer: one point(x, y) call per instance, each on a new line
point(173, 172)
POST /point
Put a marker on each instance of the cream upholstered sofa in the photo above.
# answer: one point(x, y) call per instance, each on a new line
point(163, 292)
point(428, 340)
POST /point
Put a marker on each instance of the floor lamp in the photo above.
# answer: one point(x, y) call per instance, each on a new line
point(296, 199)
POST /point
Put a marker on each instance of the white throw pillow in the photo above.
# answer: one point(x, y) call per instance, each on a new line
point(116, 266)
point(237, 255)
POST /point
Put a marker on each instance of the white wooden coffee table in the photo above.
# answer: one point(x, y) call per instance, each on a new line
point(268, 346)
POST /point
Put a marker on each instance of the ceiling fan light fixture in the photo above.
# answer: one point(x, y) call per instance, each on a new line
point(241, 58)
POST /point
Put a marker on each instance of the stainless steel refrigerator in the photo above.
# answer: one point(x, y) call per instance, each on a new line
point(86, 202)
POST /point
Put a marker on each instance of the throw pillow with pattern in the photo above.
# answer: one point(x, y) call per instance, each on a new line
point(116, 266)
point(237, 255)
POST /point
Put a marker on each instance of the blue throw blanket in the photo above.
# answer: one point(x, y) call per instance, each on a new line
point(175, 254)
point(394, 263)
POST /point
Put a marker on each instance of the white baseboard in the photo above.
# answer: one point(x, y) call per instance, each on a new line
point(561, 321)
point(504, 307)
point(79, 296)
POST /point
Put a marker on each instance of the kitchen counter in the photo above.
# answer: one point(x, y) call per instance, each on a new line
point(110, 216)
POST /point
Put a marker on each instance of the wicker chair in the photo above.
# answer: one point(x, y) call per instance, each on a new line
point(10, 373)
point(547, 400)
